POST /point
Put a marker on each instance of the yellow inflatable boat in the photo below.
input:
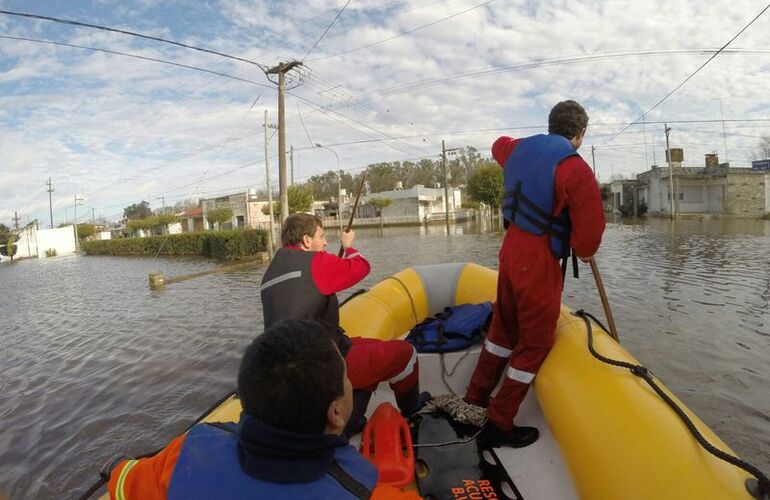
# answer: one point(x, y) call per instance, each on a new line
point(605, 433)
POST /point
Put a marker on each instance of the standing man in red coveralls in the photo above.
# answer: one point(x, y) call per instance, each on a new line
point(552, 203)
point(302, 282)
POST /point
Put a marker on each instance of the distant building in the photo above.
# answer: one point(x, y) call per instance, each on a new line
point(192, 220)
point(621, 194)
point(247, 211)
point(712, 189)
point(418, 204)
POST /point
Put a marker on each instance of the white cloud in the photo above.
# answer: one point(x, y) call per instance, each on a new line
point(120, 130)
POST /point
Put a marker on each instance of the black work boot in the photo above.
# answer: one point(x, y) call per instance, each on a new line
point(357, 419)
point(412, 401)
point(519, 437)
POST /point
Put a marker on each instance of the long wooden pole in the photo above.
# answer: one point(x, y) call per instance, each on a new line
point(605, 301)
point(353, 212)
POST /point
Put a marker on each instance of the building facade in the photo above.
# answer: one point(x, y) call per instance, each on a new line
point(713, 189)
point(419, 204)
point(247, 211)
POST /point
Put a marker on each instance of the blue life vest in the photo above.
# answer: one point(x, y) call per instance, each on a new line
point(528, 180)
point(455, 329)
point(208, 467)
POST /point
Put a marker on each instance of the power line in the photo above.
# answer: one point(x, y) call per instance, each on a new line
point(326, 30)
point(526, 127)
point(693, 73)
point(481, 72)
point(409, 32)
point(136, 56)
point(131, 33)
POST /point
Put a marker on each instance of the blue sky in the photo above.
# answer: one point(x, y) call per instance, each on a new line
point(118, 130)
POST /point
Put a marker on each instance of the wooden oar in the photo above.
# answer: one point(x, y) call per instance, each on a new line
point(353, 212)
point(605, 301)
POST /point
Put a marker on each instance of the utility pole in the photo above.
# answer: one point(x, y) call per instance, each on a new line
point(724, 129)
point(644, 134)
point(291, 159)
point(281, 71)
point(163, 201)
point(269, 189)
point(16, 220)
point(49, 188)
point(593, 158)
point(93, 216)
point(339, 183)
point(444, 152)
point(77, 242)
point(670, 173)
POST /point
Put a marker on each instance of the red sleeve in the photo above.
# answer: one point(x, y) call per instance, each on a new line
point(146, 478)
point(502, 149)
point(577, 190)
point(333, 274)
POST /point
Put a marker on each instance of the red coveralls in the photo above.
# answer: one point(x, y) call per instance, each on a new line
point(529, 286)
point(369, 361)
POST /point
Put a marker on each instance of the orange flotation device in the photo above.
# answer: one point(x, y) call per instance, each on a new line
point(387, 443)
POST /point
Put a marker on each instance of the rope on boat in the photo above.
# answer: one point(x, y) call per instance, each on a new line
point(459, 411)
point(761, 490)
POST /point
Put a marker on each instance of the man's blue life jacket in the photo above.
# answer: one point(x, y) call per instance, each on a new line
point(208, 467)
point(455, 329)
point(528, 180)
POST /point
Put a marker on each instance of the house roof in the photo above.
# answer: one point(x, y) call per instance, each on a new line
point(195, 212)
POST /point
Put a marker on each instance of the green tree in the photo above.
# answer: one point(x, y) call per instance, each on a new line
point(486, 185)
point(220, 215)
point(5, 234)
point(163, 220)
point(382, 177)
point(379, 204)
point(300, 198)
point(10, 247)
point(140, 224)
point(86, 230)
point(137, 211)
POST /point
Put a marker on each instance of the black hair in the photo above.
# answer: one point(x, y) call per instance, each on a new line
point(290, 374)
point(297, 226)
point(567, 118)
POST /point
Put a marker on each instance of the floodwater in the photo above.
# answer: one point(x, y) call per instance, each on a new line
point(93, 363)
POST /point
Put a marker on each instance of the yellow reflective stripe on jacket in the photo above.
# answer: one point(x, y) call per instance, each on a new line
point(119, 494)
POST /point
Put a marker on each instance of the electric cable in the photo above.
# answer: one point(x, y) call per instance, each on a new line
point(409, 32)
point(326, 30)
point(713, 56)
point(130, 33)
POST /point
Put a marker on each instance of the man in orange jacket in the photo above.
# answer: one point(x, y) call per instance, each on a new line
point(296, 400)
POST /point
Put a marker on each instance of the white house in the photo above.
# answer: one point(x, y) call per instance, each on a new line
point(419, 203)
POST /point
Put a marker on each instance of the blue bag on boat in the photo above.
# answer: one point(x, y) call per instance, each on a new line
point(455, 329)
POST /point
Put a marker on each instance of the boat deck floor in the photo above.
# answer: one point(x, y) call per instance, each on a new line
point(537, 471)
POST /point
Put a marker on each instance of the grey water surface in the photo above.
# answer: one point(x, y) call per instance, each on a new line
point(93, 363)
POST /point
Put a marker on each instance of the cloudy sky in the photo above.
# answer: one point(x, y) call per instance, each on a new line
point(388, 81)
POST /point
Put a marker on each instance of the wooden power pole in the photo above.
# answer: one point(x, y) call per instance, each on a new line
point(281, 71)
point(444, 152)
point(271, 240)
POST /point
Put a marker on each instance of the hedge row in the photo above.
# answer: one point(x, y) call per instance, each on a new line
point(224, 245)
